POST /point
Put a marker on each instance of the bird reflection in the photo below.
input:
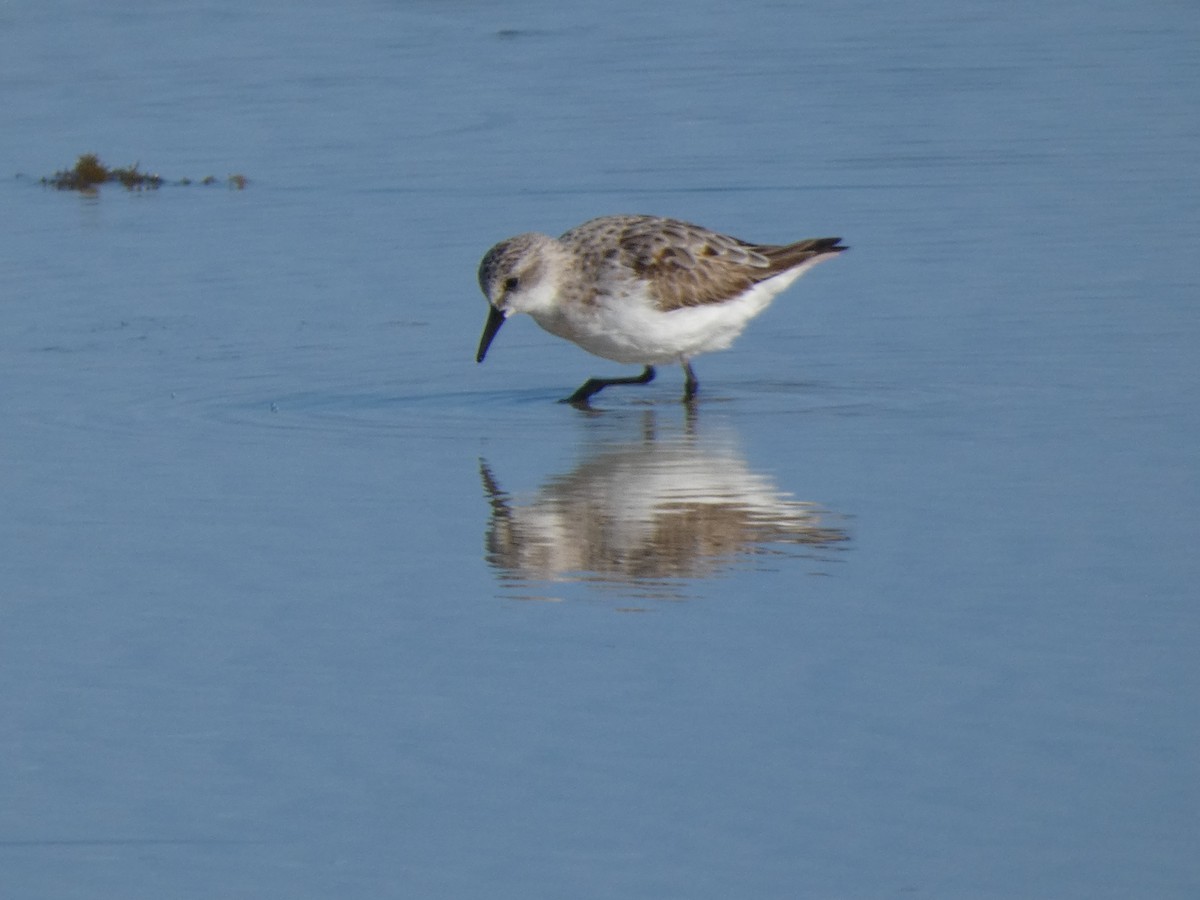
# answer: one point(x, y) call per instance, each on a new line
point(647, 513)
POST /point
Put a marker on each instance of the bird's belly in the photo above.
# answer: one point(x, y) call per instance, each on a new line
point(633, 332)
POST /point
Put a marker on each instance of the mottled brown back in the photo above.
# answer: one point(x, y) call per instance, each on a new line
point(685, 264)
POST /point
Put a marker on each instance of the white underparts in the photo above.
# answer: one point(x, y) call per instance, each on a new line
point(630, 329)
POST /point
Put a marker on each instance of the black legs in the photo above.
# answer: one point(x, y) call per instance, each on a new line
point(596, 385)
point(593, 386)
point(690, 384)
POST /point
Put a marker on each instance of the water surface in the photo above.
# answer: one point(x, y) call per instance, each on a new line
point(299, 601)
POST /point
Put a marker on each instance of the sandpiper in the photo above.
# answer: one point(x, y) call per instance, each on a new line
point(640, 289)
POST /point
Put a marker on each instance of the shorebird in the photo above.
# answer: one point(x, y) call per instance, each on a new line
point(640, 289)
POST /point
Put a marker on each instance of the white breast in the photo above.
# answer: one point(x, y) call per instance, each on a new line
point(630, 329)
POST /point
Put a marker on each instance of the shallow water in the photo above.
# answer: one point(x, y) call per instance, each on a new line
point(299, 601)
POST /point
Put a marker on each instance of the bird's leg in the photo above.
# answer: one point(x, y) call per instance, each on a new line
point(690, 383)
point(595, 385)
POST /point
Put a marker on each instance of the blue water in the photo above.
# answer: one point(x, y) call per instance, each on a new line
point(296, 600)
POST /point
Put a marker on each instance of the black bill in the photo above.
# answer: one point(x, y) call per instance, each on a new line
point(494, 320)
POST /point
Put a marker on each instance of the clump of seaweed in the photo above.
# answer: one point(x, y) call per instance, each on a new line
point(135, 180)
point(89, 173)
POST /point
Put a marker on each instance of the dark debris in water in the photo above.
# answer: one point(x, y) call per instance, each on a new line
point(89, 173)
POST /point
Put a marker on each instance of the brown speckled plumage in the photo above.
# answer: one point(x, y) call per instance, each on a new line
point(685, 264)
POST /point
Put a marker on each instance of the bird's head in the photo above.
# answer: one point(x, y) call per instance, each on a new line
point(518, 275)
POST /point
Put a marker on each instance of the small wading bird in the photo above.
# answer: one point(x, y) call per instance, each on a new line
point(640, 289)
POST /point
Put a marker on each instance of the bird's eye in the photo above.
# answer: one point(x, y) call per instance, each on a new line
point(510, 284)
